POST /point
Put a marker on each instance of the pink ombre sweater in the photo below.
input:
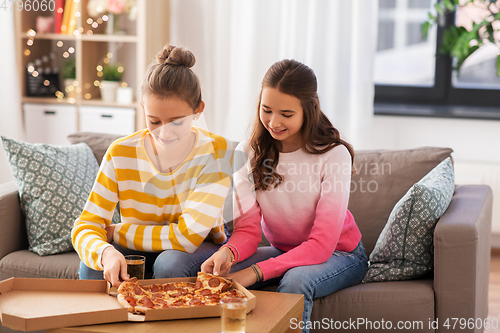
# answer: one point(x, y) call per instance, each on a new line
point(306, 216)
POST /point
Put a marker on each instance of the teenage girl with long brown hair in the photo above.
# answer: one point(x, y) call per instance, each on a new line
point(295, 186)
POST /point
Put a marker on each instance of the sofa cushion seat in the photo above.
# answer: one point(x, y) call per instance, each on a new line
point(407, 301)
point(27, 264)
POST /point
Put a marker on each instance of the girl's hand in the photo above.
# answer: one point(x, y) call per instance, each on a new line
point(219, 263)
point(245, 277)
point(114, 266)
point(110, 229)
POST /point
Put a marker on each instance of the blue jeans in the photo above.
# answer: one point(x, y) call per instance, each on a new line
point(342, 270)
point(166, 264)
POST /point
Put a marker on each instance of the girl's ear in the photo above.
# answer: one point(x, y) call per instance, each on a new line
point(199, 110)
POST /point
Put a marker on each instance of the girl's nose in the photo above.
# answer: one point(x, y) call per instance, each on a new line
point(274, 122)
point(164, 131)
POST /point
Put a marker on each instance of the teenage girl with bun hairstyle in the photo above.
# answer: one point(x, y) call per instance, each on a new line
point(170, 181)
point(294, 185)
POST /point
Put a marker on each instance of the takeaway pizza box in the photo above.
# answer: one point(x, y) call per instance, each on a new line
point(38, 304)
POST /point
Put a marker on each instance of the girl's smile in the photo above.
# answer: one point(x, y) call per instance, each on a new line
point(277, 132)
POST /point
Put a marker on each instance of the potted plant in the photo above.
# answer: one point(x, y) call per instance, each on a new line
point(111, 77)
point(460, 42)
point(68, 73)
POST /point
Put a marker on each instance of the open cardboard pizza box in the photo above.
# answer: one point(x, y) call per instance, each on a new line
point(38, 304)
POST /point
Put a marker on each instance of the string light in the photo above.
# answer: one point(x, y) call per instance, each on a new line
point(109, 55)
point(66, 54)
point(46, 83)
point(90, 20)
point(31, 33)
point(27, 52)
point(31, 69)
point(88, 96)
point(90, 32)
point(120, 69)
point(60, 43)
point(35, 74)
point(124, 84)
point(59, 94)
point(71, 100)
point(99, 74)
point(87, 85)
point(97, 83)
point(99, 20)
point(95, 25)
point(71, 50)
point(106, 60)
point(78, 14)
point(105, 18)
point(29, 42)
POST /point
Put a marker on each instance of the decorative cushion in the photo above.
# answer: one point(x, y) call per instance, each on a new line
point(382, 178)
point(54, 182)
point(404, 249)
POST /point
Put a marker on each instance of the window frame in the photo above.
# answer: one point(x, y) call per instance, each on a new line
point(442, 93)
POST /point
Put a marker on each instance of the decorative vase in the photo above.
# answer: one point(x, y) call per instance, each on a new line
point(69, 88)
point(108, 90)
point(124, 95)
point(111, 25)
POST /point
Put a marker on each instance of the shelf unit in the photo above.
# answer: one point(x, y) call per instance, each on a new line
point(134, 47)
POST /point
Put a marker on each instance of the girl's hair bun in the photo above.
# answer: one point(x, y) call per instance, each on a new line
point(175, 56)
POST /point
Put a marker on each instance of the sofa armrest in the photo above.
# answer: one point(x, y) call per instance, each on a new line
point(462, 253)
point(12, 227)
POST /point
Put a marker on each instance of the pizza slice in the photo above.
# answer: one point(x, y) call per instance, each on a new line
point(207, 284)
point(131, 294)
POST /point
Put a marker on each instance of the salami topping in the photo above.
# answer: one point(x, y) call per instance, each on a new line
point(176, 293)
point(169, 287)
point(178, 303)
point(138, 291)
point(198, 284)
point(213, 282)
point(205, 292)
point(194, 302)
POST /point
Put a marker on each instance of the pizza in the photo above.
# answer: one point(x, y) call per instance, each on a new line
point(206, 291)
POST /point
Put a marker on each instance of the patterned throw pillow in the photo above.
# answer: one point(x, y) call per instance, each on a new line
point(54, 182)
point(405, 249)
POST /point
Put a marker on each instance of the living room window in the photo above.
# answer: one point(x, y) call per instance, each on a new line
point(412, 78)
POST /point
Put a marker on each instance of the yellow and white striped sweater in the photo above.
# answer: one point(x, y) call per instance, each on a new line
point(159, 211)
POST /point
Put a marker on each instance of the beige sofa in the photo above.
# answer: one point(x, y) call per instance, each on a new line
point(458, 287)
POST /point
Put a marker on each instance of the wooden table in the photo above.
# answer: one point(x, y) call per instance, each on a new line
point(272, 313)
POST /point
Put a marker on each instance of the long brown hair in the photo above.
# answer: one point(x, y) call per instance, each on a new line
point(171, 75)
point(319, 135)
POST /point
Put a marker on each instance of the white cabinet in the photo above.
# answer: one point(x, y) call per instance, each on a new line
point(50, 123)
point(112, 120)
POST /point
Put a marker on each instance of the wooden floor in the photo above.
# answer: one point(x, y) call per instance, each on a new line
point(494, 291)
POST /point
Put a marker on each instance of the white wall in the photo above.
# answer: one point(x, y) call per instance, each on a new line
point(10, 104)
point(475, 144)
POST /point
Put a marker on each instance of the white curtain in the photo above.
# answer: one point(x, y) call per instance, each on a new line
point(235, 42)
point(10, 96)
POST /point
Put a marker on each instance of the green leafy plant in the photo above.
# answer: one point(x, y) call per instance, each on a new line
point(459, 42)
point(68, 70)
point(112, 72)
